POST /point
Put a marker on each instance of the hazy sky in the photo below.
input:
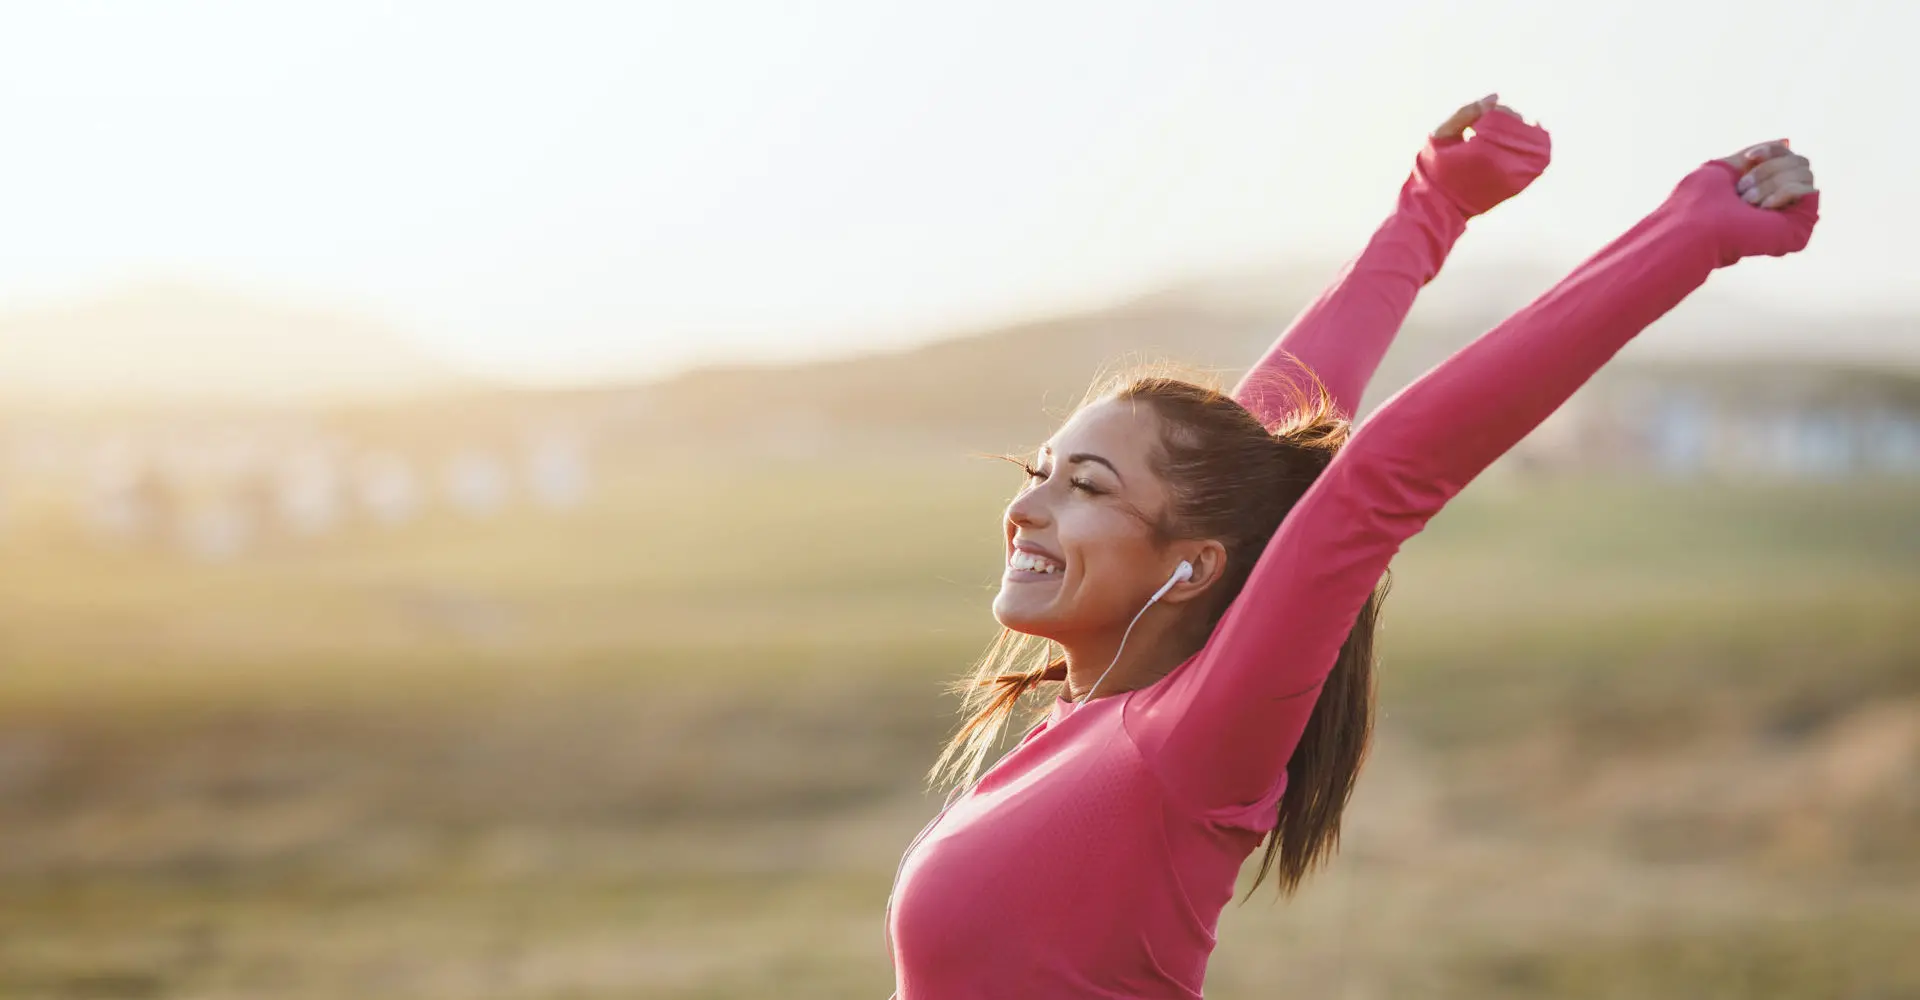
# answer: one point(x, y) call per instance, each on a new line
point(560, 188)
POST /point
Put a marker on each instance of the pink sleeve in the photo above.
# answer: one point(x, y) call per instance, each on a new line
point(1220, 729)
point(1343, 335)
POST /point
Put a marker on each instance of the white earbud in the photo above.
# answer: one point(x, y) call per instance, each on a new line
point(1181, 574)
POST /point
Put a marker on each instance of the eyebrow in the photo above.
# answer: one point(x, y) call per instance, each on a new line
point(1078, 457)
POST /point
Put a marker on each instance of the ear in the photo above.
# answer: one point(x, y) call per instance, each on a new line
point(1209, 559)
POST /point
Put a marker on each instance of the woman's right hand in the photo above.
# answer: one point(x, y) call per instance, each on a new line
point(1498, 161)
point(1758, 202)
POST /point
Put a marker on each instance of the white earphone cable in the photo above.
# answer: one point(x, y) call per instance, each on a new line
point(1183, 572)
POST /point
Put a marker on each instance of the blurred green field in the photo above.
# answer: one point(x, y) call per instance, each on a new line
point(1637, 741)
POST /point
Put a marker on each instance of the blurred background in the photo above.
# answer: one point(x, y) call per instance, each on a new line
point(488, 506)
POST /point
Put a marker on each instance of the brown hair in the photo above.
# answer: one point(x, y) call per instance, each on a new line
point(1234, 479)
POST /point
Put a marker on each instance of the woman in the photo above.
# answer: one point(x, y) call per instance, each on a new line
point(1208, 565)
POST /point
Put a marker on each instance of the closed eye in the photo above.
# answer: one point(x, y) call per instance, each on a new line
point(1037, 475)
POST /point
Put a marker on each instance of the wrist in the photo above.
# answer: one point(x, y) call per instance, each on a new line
point(1706, 210)
point(1424, 190)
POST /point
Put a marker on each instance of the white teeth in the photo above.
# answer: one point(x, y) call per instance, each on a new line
point(1032, 563)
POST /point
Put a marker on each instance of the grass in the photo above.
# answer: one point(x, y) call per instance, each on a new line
point(1780, 958)
point(671, 746)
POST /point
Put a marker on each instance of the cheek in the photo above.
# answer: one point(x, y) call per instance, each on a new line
point(1108, 551)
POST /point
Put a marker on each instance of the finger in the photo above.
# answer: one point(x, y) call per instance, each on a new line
point(1752, 156)
point(1785, 168)
point(1782, 166)
point(1456, 126)
point(1787, 194)
point(1761, 193)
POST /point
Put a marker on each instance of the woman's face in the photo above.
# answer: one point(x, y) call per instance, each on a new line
point(1082, 555)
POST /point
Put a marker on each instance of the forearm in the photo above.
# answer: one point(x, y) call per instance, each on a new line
point(1341, 338)
point(1343, 335)
point(1456, 420)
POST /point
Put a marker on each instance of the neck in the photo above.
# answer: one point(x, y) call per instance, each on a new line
point(1151, 652)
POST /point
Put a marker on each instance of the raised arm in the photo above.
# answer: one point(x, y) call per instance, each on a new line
point(1343, 335)
point(1220, 729)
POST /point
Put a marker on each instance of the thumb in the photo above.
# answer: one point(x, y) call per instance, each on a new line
point(1456, 126)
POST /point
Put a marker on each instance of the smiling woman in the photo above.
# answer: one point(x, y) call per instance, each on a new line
point(1239, 542)
point(1205, 479)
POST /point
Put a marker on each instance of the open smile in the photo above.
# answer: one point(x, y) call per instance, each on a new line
point(1029, 565)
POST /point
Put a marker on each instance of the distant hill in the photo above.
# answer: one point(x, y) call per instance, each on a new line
point(1007, 387)
point(997, 388)
point(1004, 387)
point(992, 385)
point(163, 344)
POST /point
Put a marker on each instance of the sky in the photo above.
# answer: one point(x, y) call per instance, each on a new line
point(557, 191)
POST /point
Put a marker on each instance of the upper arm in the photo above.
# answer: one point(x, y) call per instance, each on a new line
point(1220, 729)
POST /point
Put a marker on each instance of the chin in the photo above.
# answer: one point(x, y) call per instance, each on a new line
point(1022, 616)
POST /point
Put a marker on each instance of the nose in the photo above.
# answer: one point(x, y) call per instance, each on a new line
point(1028, 510)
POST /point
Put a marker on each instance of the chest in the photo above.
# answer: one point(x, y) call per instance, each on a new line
point(1043, 835)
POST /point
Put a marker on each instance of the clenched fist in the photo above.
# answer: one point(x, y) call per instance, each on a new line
point(1758, 202)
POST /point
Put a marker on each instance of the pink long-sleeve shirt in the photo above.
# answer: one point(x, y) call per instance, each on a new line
point(1095, 858)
